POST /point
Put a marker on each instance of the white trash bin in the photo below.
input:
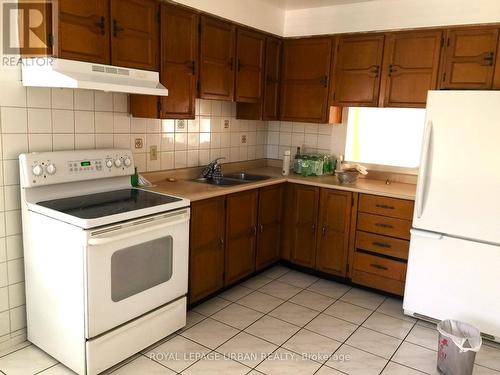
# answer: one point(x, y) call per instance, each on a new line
point(458, 344)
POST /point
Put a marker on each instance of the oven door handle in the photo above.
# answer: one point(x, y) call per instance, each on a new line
point(137, 230)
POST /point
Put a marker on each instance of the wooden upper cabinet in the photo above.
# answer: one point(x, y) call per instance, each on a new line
point(217, 63)
point(305, 218)
point(269, 225)
point(206, 255)
point(82, 30)
point(358, 67)
point(411, 66)
point(272, 79)
point(250, 50)
point(333, 231)
point(241, 235)
point(469, 58)
point(496, 78)
point(305, 78)
point(134, 34)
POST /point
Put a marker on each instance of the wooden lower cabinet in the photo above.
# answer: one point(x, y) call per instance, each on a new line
point(241, 235)
point(206, 257)
point(269, 225)
point(333, 231)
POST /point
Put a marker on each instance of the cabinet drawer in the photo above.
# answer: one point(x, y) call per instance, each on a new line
point(392, 207)
point(388, 268)
point(384, 225)
point(382, 245)
point(378, 282)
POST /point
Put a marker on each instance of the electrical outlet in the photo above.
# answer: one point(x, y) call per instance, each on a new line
point(226, 124)
point(243, 139)
point(181, 124)
point(138, 143)
point(153, 153)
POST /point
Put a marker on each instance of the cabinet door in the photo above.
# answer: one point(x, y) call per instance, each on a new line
point(411, 68)
point(83, 30)
point(269, 225)
point(306, 72)
point(305, 214)
point(272, 79)
point(496, 78)
point(249, 66)
point(241, 233)
point(470, 58)
point(287, 222)
point(135, 34)
point(357, 70)
point(333, 231)
point(206, 255)
point(216, 59)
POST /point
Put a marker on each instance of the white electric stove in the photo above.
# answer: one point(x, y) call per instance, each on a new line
point(106, 264)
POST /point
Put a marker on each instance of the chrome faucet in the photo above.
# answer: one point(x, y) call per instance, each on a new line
point(213, 170)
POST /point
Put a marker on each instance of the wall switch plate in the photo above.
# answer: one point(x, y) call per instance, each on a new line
point(138, 143)
point(243, 139)
point(226, 124)
point(153, 153)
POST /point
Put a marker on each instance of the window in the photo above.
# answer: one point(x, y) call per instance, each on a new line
point(386, 136)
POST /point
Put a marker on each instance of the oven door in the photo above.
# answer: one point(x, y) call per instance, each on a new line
point(135, 267)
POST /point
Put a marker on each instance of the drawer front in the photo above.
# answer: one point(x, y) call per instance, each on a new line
point(387, 226)
point(378, 282)
point(388, 268)
point(392, 207)
point(382, 245)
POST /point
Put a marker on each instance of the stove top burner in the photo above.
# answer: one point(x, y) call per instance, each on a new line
point(98, 205)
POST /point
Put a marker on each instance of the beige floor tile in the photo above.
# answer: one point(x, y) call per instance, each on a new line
point(480, 370)
point(374, 342)
point(235, 293)
point(427, 324)
point(394, 308)
point(247, 349)
point(328, 288)
point(193, 318)
point(325, 370)
point(298, 279)
point(143, 365)
point(388, 325)
point(312, 346)
point(28, 360)
point(489, 356)
point(295, 314)
point(256, 282)
point(211, 306)
point(416, 357)
point(284, 362)
point(276, 272)
point(260, 301)
point(348, 311)
point(272, 330)
point(363, 298)
point(280, 290)
point(60, 369)
point(312, 300)
point(216, 364)
point(178, 353)
point(424, 336)
point(397, 369)
point(356, 362)
point(332, 327)
point(237, 316)
point(210, 333)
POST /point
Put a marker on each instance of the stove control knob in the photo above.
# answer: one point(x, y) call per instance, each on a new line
point(37, 170)
point(51, 169)
point(127, 162)
point(118, 163)
point(109, 163)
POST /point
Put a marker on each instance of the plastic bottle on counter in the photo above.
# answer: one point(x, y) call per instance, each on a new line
point(286, 163)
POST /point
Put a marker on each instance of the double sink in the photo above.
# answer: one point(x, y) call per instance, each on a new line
point(233, 179)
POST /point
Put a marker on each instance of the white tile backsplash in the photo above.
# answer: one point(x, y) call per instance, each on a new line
point(14, 120)
point(39, 120)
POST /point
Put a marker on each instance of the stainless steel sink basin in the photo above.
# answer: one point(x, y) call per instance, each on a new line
point(232, 179)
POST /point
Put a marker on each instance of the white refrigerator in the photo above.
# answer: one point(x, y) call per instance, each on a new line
point(454, 261)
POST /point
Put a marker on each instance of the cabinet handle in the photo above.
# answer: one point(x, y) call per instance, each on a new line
point(324, 229)
point(261, 228)
point(231, 63)
point(313, 227)
point(381, 244)
point(117, 28)
point(489, 58)
point(102, 25)
point(254, 229)
point(387, 207)
point(382, 225)
point(192, 65)
point(392, 69)
point(324, 81)
point(374, 69)
point(221, 242)
point(378, 266)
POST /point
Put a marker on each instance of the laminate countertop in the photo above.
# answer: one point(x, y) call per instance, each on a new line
point(195, 191)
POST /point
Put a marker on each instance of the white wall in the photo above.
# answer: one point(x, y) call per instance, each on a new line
point(256, 13)
point(389, 14)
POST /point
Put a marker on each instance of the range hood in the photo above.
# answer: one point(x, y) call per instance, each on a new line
point(54, 72)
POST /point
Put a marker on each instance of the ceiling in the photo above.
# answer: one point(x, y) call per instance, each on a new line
point(304, 4)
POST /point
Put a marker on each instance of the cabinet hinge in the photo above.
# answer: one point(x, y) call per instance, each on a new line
point(158, 17)
point(442, 41)
point(50, 40)
point(198, 86)
point(158, 107)
point(199, 28)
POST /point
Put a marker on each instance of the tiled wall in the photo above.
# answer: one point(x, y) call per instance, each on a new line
point(41, 119)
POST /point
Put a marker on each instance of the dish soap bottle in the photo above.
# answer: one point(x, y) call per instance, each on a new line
point(285, 171)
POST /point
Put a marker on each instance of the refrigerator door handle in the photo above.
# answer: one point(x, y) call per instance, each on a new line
point(423, 178)
point(421, 233)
